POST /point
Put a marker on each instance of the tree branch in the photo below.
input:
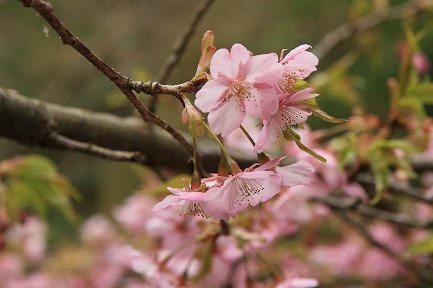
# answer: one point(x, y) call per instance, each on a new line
point(181, 42)
point(344, 31)
point(372, 212)
point(422, 272)
point(179, 48)
point(33, 122)
point(394, 186)
point(45, 9)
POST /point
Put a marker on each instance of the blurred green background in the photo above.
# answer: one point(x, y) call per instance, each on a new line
point(135, 37)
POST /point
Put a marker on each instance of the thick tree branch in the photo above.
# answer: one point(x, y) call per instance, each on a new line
point(33, 122)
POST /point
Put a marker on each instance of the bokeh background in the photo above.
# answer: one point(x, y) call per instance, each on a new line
point(136, 36)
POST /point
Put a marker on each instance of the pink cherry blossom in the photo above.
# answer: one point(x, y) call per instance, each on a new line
point(298, 64)
point(191, 201)
point(242, 84)
point(241, 190)
point(290, 112)
point(291, 175)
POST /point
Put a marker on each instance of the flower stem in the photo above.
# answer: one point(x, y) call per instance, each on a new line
point(248, 135)
point(227, 162)
point(195, 178)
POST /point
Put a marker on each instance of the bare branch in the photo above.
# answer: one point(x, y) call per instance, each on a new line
point(179, 48)
point(181, 42)
point(422, 272)
point(366, 22)
point(96, 150)
point(394, 186)
point(32, 122)
point(45, 9)
point(372, 212)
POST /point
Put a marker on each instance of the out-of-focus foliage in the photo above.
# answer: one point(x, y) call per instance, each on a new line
point(133, 36)
point(369, 75)
point(32, 184)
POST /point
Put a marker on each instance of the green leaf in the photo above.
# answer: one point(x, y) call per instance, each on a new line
point(426, 246)
point(312, 105)
point(32, 183)
point(423, 91)
point(291, 135)
point(381, 172)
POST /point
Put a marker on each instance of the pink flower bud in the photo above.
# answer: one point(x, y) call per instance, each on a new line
point(207, 51)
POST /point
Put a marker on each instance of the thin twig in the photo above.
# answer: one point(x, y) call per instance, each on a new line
point(181, 42)
point(422, 272)
point(96, 150)
point(178, 49)
point(372, 212)
point(394, 186)
point(366, 22)
point(45, 9)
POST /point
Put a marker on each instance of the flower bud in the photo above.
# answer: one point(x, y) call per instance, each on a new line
point(191, 116)
point(207, 51)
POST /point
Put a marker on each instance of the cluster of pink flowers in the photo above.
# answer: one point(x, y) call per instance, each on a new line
point(264, 87)
point(221, 197)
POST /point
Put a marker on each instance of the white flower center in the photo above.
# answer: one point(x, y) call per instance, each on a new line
point(246, 189)
point(241, 90)
point(193, 208)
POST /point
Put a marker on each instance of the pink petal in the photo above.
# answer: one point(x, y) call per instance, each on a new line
point(302, 66)
point(192, 196)
point(301, 95)
point(291, 115)
point(227, 117)
point(169, 200)
point(296, 174)
point(262, 103)
point(263, 69)
point(216, 206)
point(300, 62)
point(272, 186)
point(271, 164)
point(268, 135)
point(227, 64)
point(304, 283)
point(238, 56)
point(294, 52)
point(220, 64)
point(212, 94)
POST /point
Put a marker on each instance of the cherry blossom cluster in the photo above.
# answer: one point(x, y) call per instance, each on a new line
point(262, 86)
point(267, 87)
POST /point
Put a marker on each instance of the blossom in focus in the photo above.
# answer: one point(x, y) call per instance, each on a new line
point(241, 190)
point(192, 201)
point(242, 84)
point(298, 65)
point(290, 112)
point(291, 175)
